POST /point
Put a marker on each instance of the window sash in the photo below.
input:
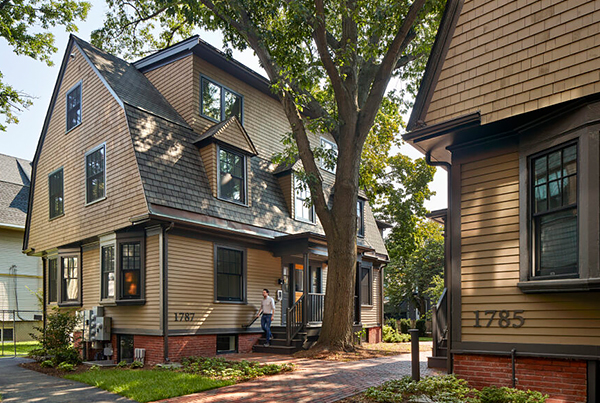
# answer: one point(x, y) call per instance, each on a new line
point(131, 270)
point(302, 211)
point(108, 272)
point(232, 176)
point(366, 282)
point(74, 107)
point(328, 145)
point(218, 102)
point(95, 169)
point(70, 279)
point(53, 280)
point(55, 191)
point(360, 219)
point(230, 274)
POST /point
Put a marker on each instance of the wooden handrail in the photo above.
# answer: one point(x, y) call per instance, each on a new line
point(294, 320)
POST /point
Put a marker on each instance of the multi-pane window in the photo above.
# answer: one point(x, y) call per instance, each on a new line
point(219, 103)
point(74, 107)
point(131, 270)
point(366, 280)
point(329, 163)
point(554, 189)
point(232, 176)
point(360, 218)
point(55, 190)
point(304, 209)
point(108, 272)
point(70, 279)
point(316, 281)
point(230, 274)
point(52, 280)
point(95, 174)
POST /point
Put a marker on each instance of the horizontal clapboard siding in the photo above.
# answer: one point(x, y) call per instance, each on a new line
point(370, 315)
point(490, 266)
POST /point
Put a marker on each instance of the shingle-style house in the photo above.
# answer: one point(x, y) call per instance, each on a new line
point(154, 197)
point(510, 106)
point(20, 275)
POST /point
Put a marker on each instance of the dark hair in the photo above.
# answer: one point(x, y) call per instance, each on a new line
point(264, 289)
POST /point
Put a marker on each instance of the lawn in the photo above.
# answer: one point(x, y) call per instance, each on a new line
point(148, 385)
point(23, 348)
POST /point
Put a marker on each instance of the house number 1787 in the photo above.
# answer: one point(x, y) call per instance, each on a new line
point(184, 316)
point(503, 318)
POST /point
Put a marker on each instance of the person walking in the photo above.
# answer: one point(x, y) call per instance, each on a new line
point(267, 309)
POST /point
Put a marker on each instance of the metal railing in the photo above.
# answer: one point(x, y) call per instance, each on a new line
point(16, 329)
point(316, 303)
point(439, 324)
point(294, 320)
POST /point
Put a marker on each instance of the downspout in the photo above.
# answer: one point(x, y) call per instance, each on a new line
point(447, 257)
point(44, 293)
point(165, 290)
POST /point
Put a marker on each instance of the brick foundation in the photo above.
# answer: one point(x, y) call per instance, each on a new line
point(563, 380)
point(374, 335)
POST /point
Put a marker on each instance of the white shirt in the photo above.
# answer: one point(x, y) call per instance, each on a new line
point(268, 306)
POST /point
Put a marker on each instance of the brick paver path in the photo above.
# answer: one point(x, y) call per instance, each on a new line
point(312, 381)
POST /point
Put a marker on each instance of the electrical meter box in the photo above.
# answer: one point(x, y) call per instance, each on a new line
point(100, 328)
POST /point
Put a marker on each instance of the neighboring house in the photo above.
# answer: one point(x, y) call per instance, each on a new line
point(510, 105)
point(20, 275)
point(155, 197)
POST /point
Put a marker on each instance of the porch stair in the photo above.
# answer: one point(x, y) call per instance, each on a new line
point(440, 334)
point(303, 340)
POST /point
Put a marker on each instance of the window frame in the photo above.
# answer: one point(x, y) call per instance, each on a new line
point(88, 153)
point(370, 281)
point(311, 210)
point(236, 343)
point(220, 148)
point(223, 88)
point(53, 287)
point(335, 147)
point(244, 274)
point(360, 207)
point(62, 255)
point(105, 242)
point(62, 193)
point(79, 85)
point(128, 238)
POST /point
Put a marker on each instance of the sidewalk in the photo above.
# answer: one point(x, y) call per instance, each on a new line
point(24, 386)
point(313, 380)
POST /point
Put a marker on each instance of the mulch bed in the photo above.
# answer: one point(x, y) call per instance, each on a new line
point(35, 366)
point(362, 352)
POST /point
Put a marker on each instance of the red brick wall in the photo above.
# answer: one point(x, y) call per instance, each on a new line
point(374, 335)
point(246, 341)
point(563, 380)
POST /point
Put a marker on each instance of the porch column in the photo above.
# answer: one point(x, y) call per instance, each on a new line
point(306, 274)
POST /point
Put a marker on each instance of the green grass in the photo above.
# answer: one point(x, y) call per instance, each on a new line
point(23, 348)
point(148, 385)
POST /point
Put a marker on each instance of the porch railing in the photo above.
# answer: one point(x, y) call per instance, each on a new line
point(294, 320)
point(316, 302)
point(439, 325)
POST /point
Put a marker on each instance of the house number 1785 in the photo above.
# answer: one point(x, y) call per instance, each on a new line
point(503, 318)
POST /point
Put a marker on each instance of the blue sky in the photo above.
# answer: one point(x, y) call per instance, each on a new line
point(37, 79)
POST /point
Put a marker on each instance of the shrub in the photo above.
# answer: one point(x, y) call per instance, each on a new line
point(56, 340)
point(221, 368)
point(443, 389)
point(404, 325)
point(137, 364)
point(493, 394)
point(421, 326)
point(65, 366)
point(122, 364)
point(393, 323)
point(47, 364)
point(392, 336)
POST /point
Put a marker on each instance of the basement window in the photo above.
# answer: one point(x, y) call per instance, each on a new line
point(227, 344)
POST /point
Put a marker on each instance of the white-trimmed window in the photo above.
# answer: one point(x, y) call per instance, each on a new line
point(303, 208)
point(95, 174)
point(219, 103)
point(329, 164)
point(74, 107)
point(70, 279)
point(232, 176)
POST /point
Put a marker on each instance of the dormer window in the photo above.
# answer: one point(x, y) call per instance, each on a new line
point(219, 103)
point(329, 164)
point(303, 211)
point(232, 176)
point(74, 107)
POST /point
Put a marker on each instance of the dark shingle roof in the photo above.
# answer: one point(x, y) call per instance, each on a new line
point(129, 84)
point(14, 190)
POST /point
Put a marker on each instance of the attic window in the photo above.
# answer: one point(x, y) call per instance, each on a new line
point(74, 107)
point(329, 164)
point(232, 176)
point(219, 103)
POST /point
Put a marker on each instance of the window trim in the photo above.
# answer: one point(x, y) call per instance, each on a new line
point(62, 193)
point(74, 87)
point(120, 240)
point(106, 241)
point(370, 280)
point(321, 162)
point(236, 342)
point(244, 288)
point(91, 151)
point(54, 258)
point(360, 231)
point(245, 170)
point(222, 101)
point(64, 254)
point(295, 181)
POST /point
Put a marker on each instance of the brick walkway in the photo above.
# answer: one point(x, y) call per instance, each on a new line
point(312, 381)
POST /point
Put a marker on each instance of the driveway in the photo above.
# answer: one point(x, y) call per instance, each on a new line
point(24, 386)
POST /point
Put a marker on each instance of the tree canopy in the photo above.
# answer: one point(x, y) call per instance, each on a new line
point(25, 24)
point(330, 64)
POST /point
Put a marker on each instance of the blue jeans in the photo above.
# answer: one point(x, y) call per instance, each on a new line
point(265, 323)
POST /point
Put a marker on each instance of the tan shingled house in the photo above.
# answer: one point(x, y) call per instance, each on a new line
point(154, 197)
point(510, 106)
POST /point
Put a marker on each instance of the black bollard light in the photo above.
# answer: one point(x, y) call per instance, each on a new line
point(414, 348)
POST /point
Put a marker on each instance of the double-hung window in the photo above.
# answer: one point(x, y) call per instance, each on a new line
point(229, 274)
point(74, 107)
point(218, 102)
point(131, 270)
point(554, 213)
point(366, 281)
point(52, 280)
point(304, 210)
point(122, 268)
point(107, 262)
point(70, 279)
point(232, 176)
point(360, 218)
point(95, 174)
point(56, 193)
point(329, 162)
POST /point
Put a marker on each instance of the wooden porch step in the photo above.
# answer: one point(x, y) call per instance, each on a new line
point(281, 341)
point(274, 349)
point(437, 362)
